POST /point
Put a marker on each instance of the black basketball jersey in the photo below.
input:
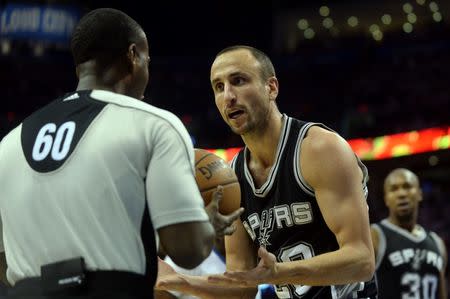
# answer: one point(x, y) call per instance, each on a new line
point(283, 215)
point(408, 266)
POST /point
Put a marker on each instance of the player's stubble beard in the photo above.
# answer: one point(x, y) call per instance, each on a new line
point(256, 123)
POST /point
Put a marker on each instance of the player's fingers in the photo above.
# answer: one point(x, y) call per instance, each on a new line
point(217, 195)
point(235, 215)
point(265, 255)
point(262, 252)
point(229, 230)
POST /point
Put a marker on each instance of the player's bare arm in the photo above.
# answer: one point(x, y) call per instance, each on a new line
point(329, 166)
point(163, 295)
point(443, 281)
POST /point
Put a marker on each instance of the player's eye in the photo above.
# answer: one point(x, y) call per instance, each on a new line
point(218, 87)
point(238, 80)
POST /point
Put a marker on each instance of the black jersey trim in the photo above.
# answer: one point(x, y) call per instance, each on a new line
point(267, 186)
point(381, 250)
point(417, 239)
point(296, 163)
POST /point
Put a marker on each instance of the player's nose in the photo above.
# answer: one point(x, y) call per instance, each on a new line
point(229, 94)
point(401, 193)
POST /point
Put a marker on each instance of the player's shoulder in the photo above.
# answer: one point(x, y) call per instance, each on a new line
point(324, 143)
point(321, 136)
point(132, 104)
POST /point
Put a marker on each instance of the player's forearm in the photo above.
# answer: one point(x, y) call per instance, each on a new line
point(200, 287)
point(163, 295)
point(342, 266)
point(443, 290)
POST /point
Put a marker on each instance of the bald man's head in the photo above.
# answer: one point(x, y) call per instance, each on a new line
point(402, 195)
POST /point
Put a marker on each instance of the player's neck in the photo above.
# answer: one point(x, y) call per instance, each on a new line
point(263, 145)
point(406, 225)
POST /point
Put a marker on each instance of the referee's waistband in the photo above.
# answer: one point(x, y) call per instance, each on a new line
point(116, 281)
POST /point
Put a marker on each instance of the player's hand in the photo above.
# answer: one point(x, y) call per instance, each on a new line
point(223, 224)
point(264, 272)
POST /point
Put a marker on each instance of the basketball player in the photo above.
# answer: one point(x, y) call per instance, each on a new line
point(410, 261)
point(81, 177)
point(303, 190)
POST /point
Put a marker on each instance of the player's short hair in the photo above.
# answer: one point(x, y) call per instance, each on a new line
point(103, 35)
point(267, 69)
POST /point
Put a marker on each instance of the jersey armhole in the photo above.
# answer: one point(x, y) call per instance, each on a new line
point(233, 161)
point(439, 243)
point(381, 250)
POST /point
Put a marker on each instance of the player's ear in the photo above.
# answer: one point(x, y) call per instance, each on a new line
point(272, 87)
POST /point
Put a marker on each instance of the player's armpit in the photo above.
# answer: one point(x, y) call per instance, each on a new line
point(375, 240)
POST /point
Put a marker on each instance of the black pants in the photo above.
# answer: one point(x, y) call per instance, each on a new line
point(98, 285)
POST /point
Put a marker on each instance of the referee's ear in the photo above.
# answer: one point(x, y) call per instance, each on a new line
point(132, 57)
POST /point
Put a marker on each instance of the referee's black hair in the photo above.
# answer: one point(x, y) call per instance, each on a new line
point(103, 34)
